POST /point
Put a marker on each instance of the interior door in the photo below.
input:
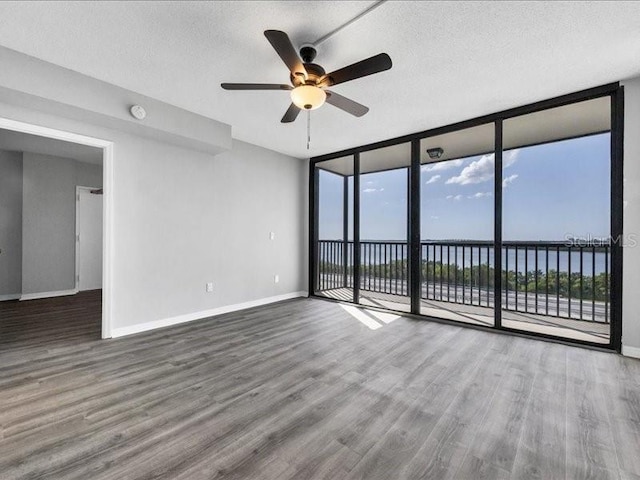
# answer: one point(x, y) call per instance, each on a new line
point(89, 240)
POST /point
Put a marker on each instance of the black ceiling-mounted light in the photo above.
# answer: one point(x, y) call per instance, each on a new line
point(435, 153)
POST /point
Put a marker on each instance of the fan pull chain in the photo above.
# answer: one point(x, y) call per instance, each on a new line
point(308, 128)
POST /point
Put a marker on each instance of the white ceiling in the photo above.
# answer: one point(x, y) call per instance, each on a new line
point(452, 60)
point(24, 142)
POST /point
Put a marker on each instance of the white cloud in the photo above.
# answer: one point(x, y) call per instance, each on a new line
point(433, 179)
point(434, 217)
point(371, 190)
point(477, 171)
point(509, 180)
point(482, 170)
point(510, 157)
point(444, 165)
point(454, 197)
point(480, 195)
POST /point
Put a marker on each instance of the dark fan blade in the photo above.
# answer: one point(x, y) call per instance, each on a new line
point(346, 104)
point(375, 64)
point(254, 86)
point(291, 114)
point(283, 46)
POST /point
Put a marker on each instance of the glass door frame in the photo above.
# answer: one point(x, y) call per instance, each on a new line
point(612, 90)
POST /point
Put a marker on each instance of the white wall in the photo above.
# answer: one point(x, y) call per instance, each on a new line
point(10, 224)
point(48, 220)
point(182, 218)
point(631, 252)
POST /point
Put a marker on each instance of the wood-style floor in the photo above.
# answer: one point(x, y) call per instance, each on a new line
point(304, 390)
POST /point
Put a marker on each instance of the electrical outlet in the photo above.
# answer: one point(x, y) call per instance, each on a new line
point(276, 278)
point(272, 235)
point(209, 287)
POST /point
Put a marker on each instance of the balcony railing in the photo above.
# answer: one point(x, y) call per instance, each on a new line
point(555, 279)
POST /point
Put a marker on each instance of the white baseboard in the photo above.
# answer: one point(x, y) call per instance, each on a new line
point(166, 322)
point(59, 293)
point(633, 352)
point(11, 296)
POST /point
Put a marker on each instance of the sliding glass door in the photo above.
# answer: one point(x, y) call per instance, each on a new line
point(384, 272)
point(334, 276)
point(512, 222)
point(457, 225)
point(556, 189)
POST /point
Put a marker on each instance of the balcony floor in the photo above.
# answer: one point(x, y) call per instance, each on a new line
point(595, 332)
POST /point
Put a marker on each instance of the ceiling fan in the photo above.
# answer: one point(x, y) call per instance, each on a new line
point(309, 81)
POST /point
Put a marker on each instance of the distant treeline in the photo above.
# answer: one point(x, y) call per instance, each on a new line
point(481, 276)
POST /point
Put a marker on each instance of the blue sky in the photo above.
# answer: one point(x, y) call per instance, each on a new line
point(549, 192)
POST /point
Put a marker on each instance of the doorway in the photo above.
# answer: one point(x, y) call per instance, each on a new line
point(98, 270)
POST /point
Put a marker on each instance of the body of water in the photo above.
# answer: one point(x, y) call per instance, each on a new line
point(467, 256)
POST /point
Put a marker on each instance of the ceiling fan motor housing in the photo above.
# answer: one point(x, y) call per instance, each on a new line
point(314, 73)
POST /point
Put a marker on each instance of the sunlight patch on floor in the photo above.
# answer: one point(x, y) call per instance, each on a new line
point(384, 317)
point(370, 318)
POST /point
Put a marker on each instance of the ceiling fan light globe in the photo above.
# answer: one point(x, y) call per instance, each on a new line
point(308, 97)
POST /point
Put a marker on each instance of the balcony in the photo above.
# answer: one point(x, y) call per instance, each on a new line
point(554, 288)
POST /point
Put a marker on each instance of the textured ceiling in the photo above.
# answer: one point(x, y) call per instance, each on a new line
point(452, 60)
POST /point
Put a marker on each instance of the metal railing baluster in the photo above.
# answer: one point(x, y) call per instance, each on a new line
point(440, 272)
point(536, 278)
point(606, 283)
point(593, 283)
point(516, 278)
point(471, 275)
point(558, 281)
point(488, 279)
point(581, 280)
point(448, 273)
point(455, 273)
point(546, 276)
point(464, 282)
point(526, 279)
point(506, 283)
point(569, 281)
